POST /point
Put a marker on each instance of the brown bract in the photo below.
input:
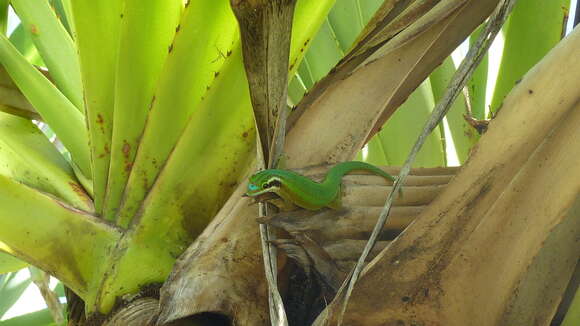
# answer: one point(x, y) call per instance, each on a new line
point(265, 28)
point(499, 245)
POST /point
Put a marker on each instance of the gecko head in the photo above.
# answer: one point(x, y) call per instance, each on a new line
point(263, 182)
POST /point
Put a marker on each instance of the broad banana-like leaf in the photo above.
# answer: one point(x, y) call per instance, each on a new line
point(526, 41)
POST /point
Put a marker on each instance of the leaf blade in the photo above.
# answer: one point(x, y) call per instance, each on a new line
point(54, 45)
point(49, 102)
point(98, 57)
point(147, 30)
point(526, 41)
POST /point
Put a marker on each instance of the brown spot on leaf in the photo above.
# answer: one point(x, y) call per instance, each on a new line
point(126, 149)
point(177, 28)
point(33, 29)
point(530, 91)
point(215, 74)
point(77, 188)
point(228, 53)
point(80, 191)
point(245, 134)
point(100, 119)
point(170, 48)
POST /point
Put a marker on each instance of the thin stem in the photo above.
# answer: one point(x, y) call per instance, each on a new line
point(41, 280)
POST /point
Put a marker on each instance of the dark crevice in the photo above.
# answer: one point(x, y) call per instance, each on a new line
point(206, 318)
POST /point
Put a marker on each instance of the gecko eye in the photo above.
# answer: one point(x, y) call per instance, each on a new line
point(273, 183)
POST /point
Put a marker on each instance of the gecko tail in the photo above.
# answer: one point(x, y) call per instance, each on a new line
point(341, 169)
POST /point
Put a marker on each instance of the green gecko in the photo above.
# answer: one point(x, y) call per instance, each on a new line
point(304, 192)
